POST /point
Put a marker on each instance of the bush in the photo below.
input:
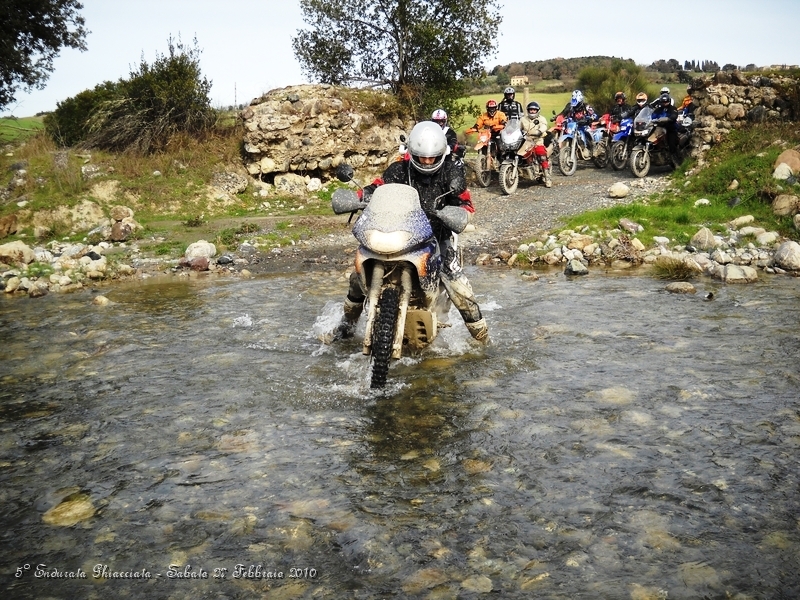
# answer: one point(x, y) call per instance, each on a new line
point(140, 113)
point(158, 101)
point(67, 125)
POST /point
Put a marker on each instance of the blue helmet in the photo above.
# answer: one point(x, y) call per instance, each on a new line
point(577, 98)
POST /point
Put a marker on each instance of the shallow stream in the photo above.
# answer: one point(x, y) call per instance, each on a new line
point(612, 441)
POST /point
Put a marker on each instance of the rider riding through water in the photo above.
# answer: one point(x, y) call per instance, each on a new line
point(439, 182)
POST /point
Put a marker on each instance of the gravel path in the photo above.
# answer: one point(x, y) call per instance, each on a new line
point(501, 222)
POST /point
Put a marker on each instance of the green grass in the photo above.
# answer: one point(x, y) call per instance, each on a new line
point(13, 130)
point(746, 155)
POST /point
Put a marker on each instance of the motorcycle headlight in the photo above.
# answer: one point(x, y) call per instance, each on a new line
point(387, 243)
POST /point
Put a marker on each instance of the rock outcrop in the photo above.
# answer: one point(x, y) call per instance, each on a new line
point(311, 129)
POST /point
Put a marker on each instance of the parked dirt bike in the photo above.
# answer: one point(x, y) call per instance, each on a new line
point(574, 146)
point(621, 143)
point(487, 157)
point(650, 145)
point(601, 135)
point(513, 165)
point(400, 265)
point(553, 137)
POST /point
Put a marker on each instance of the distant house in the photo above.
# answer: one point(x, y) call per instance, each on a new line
point(519, 80)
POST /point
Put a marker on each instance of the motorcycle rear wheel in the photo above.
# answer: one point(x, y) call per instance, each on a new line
point(383, 335)
point(640, 162)
point(618, 158)
point(601, 153)
point(567, 159)
point(509, 178)
point(484, 172)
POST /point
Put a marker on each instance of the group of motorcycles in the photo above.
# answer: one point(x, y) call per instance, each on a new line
point(637, 143)
point(399, 259)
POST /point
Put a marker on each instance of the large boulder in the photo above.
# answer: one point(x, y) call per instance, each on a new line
point(786, 204)
point(16, 252)
point(310, 128)
point(791, 158)
point(787, 256)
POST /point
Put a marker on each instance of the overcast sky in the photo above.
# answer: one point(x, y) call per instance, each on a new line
point(246, 44)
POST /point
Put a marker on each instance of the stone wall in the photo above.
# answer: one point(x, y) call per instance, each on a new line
point(728, 99)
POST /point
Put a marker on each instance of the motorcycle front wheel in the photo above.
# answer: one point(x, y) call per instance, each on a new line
point(640, 162)
point(509, 178)
point(484, 171)
point(618, 157)
point(567, 160)
point(383, 335)
point(601, 153)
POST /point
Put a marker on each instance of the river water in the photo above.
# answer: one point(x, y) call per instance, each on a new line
point(612, 441)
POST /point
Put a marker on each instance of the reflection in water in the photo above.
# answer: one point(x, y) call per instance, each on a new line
point(613, 441)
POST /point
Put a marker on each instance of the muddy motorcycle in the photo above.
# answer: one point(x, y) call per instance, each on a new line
point(600, 131)
point(400, 265)
point(650, 145)
point(621, 143)
point(512, 165)
point(574, 145)
point(551, 140)
point(487, 157)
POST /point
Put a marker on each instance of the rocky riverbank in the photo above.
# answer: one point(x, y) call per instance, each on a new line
point(507, 231)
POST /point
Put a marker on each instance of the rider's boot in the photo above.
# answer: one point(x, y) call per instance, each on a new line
point(548, 181)
point(352, 311)
point(478, 329)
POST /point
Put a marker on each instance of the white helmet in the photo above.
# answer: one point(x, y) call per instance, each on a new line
point(577, 98)
point(440, 116)
point(664, 90)
point(427, 140)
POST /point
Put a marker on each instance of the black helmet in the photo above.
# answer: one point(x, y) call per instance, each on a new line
point(664, 99)
point(533, 107)
point(508, 93)
point(620, 95)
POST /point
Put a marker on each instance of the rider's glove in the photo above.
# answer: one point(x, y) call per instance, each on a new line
point(365, 194)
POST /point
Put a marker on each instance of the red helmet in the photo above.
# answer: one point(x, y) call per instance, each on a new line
point(491, 107)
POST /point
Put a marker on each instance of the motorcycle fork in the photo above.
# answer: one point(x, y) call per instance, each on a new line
point(405, 297)
point(375, 287)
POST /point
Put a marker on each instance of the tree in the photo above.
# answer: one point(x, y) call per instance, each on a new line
point(31, 36)
point(421, 50)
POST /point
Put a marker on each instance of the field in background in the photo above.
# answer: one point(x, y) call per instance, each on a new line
point(547, 102)
point(12, 129)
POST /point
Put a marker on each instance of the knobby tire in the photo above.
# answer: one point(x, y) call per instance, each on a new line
point(484, 172)
point(566, 163)
point(383, 335)
point(640, 162)
point(601, 153)
point(509, 178)
point(618, 158)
